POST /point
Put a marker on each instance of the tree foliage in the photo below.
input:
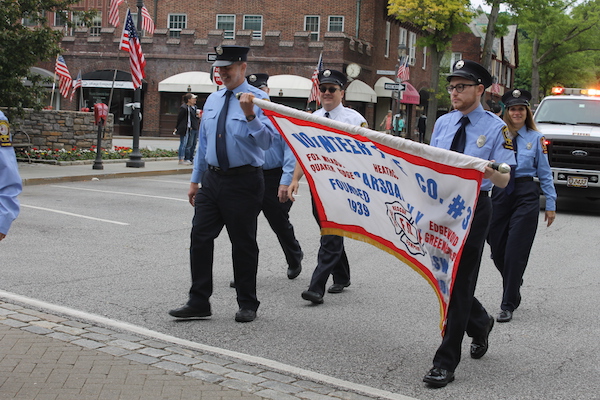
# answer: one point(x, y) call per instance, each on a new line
point(26, 39)
point(439, 21)
point(558, 42)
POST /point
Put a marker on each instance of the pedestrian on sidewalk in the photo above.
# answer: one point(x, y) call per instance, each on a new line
point(187, 127)
point(10, 181)
point(233, 138)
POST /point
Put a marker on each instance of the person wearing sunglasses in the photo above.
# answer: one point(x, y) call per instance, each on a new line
point(331, 259)
point(517, 207)
point(470, 130)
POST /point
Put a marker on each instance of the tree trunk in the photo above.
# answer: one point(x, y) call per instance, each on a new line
point(535, 72)
point(436, 58)
point(490, 35)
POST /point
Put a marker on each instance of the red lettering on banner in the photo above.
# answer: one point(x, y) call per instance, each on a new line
point(382, 169)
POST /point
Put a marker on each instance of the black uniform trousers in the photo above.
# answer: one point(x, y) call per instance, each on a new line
point(277, 214)
point(233, 201)
point(331, 260)
point(512, 231)
point(465, 312)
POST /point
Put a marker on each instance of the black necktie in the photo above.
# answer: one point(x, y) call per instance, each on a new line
point(460, 137)
point(221, 143)
point(511, 183)
point(327, 114)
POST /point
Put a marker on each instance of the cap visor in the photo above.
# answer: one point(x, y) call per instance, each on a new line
point(222, 63)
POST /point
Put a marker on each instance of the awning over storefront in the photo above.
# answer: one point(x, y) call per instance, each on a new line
point(360, 91)
point(410, 95)
point(289, 86)
point(195, 81)
point(379, 87)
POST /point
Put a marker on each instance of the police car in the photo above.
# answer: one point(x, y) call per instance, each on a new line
point(570, 121)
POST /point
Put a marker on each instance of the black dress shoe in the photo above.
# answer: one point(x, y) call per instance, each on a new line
point(232, 283)
point(189, 312)
point(315, 297)
point(245, 315)
point(479, 346)
point(504, 316)
point(337, 288)
point(292, 273)
point(438, 377)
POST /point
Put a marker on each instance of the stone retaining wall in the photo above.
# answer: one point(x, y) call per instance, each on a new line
point(50, 129)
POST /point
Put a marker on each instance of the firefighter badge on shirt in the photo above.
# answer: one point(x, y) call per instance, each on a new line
point(5, 139)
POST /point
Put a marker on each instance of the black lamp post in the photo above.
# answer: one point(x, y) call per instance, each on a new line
point(135, 158)
point(397, 97)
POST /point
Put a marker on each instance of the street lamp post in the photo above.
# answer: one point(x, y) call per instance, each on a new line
point(397, 93)
point(135, 157)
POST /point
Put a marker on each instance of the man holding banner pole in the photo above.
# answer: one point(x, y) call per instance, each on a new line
point(472, 131)
point(331, 259)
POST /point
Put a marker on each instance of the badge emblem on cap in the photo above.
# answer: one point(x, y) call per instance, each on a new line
point(481, 141)
point(219, 50)
point(516, 93)
point(326, 73)
point(252, 78)
point(459, 64)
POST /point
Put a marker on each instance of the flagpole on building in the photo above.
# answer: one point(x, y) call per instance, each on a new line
point(53, 86)
point(135, 157)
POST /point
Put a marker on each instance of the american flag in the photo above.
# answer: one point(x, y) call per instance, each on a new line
point(314, 91)
point(403, 71)
point(131, 42)
point(64, 77)
point(113, 12)
point(147, 23)
point(76, 85)
point(495, 86)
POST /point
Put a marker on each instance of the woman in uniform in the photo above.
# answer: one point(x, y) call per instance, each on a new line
point(516, 207)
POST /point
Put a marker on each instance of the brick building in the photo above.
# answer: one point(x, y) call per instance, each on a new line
point(285, 40)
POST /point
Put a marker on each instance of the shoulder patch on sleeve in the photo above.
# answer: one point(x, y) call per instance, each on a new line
point(543, 144)
point(364, 125)
point(508, 144)
point(5, 139)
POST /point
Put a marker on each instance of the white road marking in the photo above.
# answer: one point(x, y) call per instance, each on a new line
point(75, 215)
point(187, 183)
point(123, 193)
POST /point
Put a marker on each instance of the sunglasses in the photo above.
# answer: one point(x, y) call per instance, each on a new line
point(329, 89)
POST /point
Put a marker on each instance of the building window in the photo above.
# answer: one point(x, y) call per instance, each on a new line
point(424, 58)
point(177, 22)
point(402, 37)
point(311, 24)
point(227, 24)
point(388, 30)
point(412, 48)
point(454, 58)
point(336, 23)
point(254, 23)
point(95, 23)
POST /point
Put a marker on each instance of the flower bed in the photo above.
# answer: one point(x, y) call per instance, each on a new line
point(77, 154)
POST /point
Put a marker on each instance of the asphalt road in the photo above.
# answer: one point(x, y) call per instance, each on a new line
point(122, 252)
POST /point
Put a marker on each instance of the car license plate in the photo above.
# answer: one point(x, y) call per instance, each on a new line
point(577, 181)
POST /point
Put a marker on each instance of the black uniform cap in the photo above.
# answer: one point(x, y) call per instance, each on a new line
point(472, 71)
point(516, 97)
point(258, 80)
point(332, 76)
point(227, 55)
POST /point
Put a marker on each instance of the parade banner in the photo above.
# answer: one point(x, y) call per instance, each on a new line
point(412, 200)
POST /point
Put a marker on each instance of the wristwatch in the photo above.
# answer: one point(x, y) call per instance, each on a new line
point(250, 117)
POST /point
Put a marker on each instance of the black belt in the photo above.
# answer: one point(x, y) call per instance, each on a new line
point(524, 179)
point(244, 169)
point(485, 193)
point(273, 171)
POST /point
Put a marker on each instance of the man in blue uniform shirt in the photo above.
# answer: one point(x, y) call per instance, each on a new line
point(232, 140)
point(331, 259)
point(278, 170)
point(475, 132)
point(10, 181)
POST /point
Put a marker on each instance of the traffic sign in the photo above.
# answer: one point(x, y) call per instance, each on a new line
point(385, 72)
point(211, 57)
point(394, 86)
